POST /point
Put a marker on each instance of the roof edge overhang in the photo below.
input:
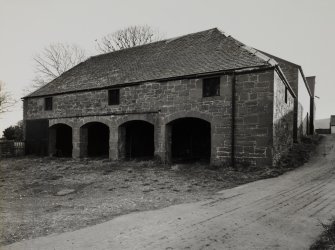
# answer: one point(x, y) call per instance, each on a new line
point(305, 81)
point(273, 63)
point(198, 75)
point(286, 82)
point(292, 64)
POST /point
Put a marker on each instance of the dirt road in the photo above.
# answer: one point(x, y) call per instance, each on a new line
point(279, 213)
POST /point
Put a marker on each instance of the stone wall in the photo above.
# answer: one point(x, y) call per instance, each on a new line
point(254, 111)
point(156, 102)
point(291, 72)
point(283, 115)
point(302, 100)
point(159, 103)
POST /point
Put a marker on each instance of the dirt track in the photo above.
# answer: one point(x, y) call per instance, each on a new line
point(279, 213)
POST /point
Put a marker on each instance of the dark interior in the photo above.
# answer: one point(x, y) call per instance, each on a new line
point(37, 137)
point(97, 140)
point(190, 140)
point(139, 140)
point(63, 140)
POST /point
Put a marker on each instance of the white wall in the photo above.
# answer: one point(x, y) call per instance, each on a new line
point(303, 106)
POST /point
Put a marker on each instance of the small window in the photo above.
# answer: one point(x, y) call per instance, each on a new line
point(48, 103)
point(114, 97)
point(285, 94)
point(211, 87)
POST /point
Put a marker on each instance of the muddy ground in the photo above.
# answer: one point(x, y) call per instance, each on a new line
point(49, 195)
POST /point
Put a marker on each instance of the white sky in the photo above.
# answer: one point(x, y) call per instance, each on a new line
point(301, 31)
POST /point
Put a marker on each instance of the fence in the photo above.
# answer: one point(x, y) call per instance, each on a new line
point(322, 131)
point(10, 148)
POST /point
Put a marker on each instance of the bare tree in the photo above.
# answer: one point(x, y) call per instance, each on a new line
point(127, 38)
point(54, 60)
point(6, 100)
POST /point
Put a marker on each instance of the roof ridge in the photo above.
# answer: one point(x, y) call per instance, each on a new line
point(162, 59)
point(160, 41)
point(255, 52)
point(270, 55)
point(190, 34)
point(222, 32)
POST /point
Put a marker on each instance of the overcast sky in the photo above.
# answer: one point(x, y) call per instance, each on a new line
point(301, 31)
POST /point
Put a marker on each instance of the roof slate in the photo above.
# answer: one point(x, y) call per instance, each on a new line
point(197, 53)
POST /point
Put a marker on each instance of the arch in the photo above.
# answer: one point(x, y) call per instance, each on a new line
point(188, 139)
point(94, 139)
point(134, 117)
point(88, 120)
point(136, 140)
point(187, 114)
point(60, 121)
point(60, 140)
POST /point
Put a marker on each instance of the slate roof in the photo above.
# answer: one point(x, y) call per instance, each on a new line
point(332, 120)
point(279, 59)
point(197, 53)
point(282, 61)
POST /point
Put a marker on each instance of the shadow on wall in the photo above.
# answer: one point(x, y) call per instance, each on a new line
point(303, 122)
point(283, 136)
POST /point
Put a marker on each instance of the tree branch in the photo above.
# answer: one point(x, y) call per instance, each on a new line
point(127, 38)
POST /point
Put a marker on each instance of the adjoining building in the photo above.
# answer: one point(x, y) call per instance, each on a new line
point(203, 96)
point(332, 124)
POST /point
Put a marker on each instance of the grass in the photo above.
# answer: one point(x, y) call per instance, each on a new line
point(326, 240)
point(297, 156)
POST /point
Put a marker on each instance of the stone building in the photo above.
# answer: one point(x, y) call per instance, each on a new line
point(202, 96)
point(332, 124)
point(304, 103)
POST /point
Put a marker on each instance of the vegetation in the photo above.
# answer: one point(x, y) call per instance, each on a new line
point(327, 238)
point(127, 38)
point(54, 60)
point(6, 100)
point(57, 58)
point(299, 154)
point(14, 132)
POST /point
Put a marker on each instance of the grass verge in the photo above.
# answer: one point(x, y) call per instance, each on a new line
point(326, 240)
point(297, 156)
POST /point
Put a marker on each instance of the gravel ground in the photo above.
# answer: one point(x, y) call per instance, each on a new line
point(42, 196)
point(280, 213)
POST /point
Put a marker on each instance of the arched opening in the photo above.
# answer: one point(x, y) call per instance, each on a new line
point(188, 140)
point(60, 140)
point(136, 140)
point(94, 140)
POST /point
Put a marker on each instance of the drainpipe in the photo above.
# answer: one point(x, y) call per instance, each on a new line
point(233, 104)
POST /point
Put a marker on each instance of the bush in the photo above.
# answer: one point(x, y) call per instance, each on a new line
point(327, 239)
point(14, 132)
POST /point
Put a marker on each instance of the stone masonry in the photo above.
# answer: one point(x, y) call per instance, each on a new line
point(262, 116)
